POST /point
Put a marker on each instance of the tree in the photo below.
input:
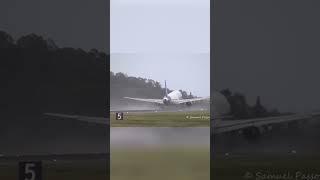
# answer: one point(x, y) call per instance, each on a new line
point(240, 109)
point(6, 40)
point(157, 85)
point(51, 44)
point(239, 106)
point(94, 52)
point(32, 41)
point(184, 94)
point(40, 78)
point(226, 92)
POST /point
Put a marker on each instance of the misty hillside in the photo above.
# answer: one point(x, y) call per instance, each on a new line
point(122, 85)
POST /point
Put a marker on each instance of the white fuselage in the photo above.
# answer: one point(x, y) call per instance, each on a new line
point(171, 97)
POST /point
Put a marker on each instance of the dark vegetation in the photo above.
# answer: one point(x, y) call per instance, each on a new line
point(38, 76)
point(241, 110)
point(122, 85)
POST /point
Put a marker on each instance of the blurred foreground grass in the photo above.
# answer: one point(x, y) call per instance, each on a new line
point(160, 164)
point(175, 164)
point(266, 167)
point(133, 164)
point(61, 170)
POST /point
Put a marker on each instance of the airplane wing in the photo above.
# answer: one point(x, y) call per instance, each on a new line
point(157, 101)
point(181, 101)
point(95, 120)
point(233, 125)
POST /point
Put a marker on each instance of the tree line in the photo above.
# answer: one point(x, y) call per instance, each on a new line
point(240, 109)
point(38, 76)
point(122, 85)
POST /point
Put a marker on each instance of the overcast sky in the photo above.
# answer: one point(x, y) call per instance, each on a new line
point(70, 23)
point(163, 40)
point(161, 26)
point(269, 48)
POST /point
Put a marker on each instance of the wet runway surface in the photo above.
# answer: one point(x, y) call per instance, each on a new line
point(159, 137)
point(299, 140)
point(50, 136)
point(68, 137)
point(160, 110)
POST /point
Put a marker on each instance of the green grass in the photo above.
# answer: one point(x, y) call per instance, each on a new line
point(9, 171)
point(237, 168)
point(176, 164)
point(162, 119)
point(133, 164)
point(160, 164)
point(62, 170)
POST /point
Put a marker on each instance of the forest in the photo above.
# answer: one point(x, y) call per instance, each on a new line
point(38, 76)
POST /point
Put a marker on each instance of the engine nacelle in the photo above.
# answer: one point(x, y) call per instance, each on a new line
point(252, 132)
point(188, 103)
point(166, 100)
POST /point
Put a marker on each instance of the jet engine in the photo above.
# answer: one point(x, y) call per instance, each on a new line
point(254, 132)
point(166, 100)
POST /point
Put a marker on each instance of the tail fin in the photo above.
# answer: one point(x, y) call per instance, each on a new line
point(165, 86)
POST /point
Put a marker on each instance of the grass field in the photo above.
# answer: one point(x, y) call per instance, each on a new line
point(160, 164)
point(162, 119)
point(62, 170)
point(266, 167)
point(176, 164)
point(146, 164)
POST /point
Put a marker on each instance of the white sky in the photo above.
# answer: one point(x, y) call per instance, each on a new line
point(163, 40)
point(175, 26)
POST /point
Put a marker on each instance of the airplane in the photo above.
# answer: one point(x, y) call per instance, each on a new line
point(172, 98)
point(249, 127)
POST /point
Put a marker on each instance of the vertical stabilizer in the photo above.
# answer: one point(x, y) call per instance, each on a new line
point(165, 86)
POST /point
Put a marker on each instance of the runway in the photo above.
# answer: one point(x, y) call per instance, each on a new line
point(158, 110)
point(282, 140)
point(159, 137)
